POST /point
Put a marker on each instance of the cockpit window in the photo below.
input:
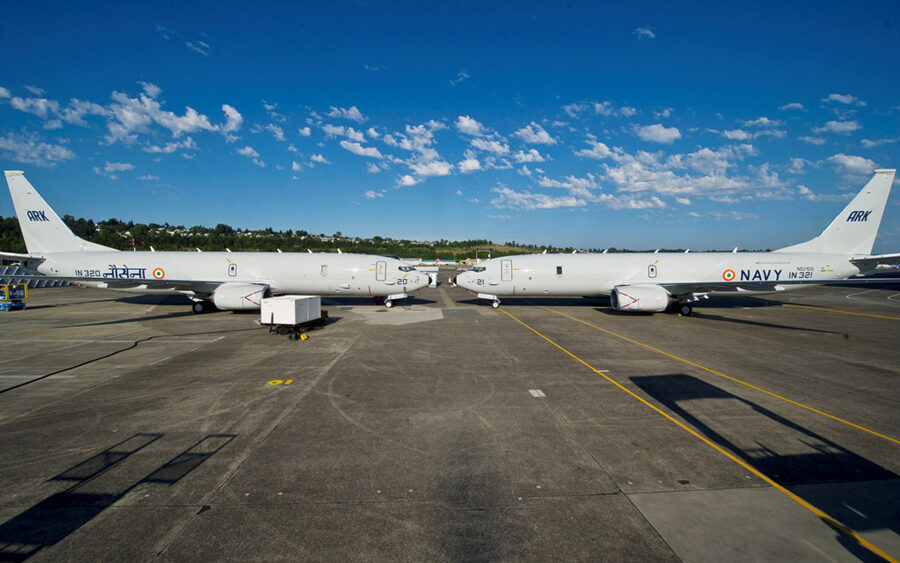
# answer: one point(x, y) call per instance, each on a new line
point(406, 268)
point(477, 269)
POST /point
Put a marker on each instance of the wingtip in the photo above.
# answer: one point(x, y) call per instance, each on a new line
point(9, 173)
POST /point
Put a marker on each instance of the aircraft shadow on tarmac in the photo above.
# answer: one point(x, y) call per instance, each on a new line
point(853, 490)
point(61, 514)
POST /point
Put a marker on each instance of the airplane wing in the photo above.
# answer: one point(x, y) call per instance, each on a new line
point(204, 287)
point(686, 288)
point(18, 256)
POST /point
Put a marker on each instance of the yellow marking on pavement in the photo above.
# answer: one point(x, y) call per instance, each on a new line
point(822, 515)
point(827, 310)
point(728, 377)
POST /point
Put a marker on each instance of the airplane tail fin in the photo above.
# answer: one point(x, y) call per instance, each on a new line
point(853, 231)
point(42, 228)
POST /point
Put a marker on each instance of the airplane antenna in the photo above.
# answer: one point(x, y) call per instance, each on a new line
point(339, 251)
point(735, 250)
point(575, 251)
point(152, 249)
point(687, 251)
point(198, 250)
point(544, 252)
point(605, 250)
point(227, 249)
point(279, 250)
point(308, 250)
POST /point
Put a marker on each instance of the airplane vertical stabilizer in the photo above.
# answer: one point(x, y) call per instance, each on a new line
point(42, 228)
point(853, 231)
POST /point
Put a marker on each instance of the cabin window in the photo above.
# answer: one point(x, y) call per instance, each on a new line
point(559, 270)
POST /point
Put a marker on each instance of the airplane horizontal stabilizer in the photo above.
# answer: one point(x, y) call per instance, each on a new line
point(21, 257)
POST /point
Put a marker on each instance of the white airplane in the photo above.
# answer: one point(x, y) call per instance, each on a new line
point(222, 280)
point(652, 282)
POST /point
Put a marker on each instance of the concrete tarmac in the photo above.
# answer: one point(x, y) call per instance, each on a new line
point(444, 430)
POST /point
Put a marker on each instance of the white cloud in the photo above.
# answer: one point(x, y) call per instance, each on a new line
point(251, 153)
point(657, 133)
point(575, 109)
point(148, 178)
point(511, 199)
point(598, 150)
point(187, 144)
point(135, 115)
point(460, 76)
point(151, 89)
point(838, 127)
point(319, 158)
point(34, 90)
point(812, 140)
point(737, 135)
point(431, 168)
point(304, 131)
point(762, 122)
point(352, 113)
point(198, 46)
point(459, 193)
point(276, 131)
point(4, 92)
point(742, 135)
point(372, 168)
point(869, 143)
point(296, 166)
point(797, 166)
point(844, 99)
point(644, 33)
point(531, 156)
point(524, 171)
point(372, 194)
point(535, 134)
point(110, 168)
point(469, 126)
point(341, 131)
point(29, 149)
point(470, 164)
point(607, 109)
point(233, 119)
point(664, 114)
point(358, 149)
point(40, 107)
point(492, 146)
point(407, 180)
point(792, 105)
point(852, 165)
point(371, 132)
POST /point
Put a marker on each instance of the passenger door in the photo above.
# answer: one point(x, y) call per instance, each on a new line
point(506, 271)
point(380, 270)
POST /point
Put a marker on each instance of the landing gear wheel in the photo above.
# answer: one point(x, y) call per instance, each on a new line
point(495, 304)
point(199, 307)
point(388, 303)
point(685, 310)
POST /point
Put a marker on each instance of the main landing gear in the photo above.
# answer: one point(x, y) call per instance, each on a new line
point(685, 309)
point(200, 307)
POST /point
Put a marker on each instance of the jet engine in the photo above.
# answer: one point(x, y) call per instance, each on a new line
point(640, 298)
point(239, 296)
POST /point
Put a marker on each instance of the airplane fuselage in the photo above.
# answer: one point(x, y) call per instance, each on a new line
point(599, 274)
point(292, 273)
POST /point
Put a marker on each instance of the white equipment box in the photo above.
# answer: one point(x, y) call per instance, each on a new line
point(290, 309)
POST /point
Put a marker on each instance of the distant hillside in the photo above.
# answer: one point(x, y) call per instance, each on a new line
point(125, 236)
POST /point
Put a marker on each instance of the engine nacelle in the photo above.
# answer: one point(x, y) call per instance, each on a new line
point(640, 298)
point(239, 296)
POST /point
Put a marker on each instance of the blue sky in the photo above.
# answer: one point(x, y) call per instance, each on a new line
point(696, 125)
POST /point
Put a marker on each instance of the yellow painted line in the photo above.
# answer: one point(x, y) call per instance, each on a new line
point(822, 515)
point(728, 377)
point(827, 310)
